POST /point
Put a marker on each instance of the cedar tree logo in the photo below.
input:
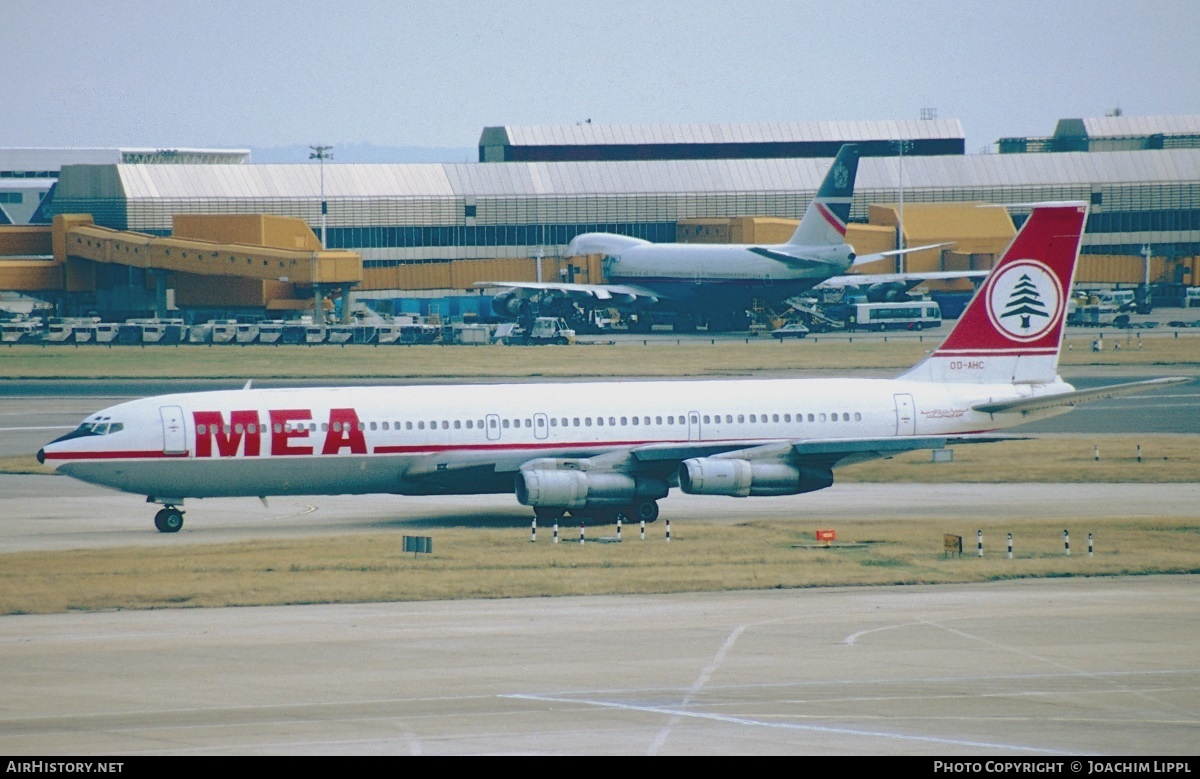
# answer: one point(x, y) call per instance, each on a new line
point(1025, 301)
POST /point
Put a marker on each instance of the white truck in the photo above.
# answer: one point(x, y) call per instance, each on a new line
point(545, 330)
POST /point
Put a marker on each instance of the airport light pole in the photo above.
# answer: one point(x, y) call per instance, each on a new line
point(322, 153)
point(900, 145)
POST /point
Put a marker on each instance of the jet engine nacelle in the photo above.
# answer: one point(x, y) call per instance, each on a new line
point(891, 292)
point(507, 304)
point(583, 489)
point(743, 478)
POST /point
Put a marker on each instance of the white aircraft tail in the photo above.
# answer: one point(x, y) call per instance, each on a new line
point(824, 221)
point(1012, 329)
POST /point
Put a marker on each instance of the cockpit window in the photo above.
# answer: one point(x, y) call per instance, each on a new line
point(102, 428)
point(94, 427)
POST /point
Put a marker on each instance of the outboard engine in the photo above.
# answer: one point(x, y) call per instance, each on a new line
point(507, 304)
point(743, 478)
point(890, 292)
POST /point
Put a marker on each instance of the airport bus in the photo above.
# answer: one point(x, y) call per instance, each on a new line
point(905, 315)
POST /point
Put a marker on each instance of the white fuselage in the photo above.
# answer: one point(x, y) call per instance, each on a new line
point(465, 439)
point(723, 276)
point(717, 262)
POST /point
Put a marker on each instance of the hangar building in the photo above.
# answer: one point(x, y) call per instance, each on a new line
point(776, 140)
point(28, 174)
point(1112, 133)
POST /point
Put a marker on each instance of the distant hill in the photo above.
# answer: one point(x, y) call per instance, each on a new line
point(367, 153)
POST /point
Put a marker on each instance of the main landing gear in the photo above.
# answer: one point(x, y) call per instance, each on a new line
point(169, 520)
point(644, 511)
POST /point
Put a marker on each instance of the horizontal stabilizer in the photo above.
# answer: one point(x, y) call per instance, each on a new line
point(1078, 397)
point(865, 258)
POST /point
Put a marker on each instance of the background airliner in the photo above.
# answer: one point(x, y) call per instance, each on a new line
point(607, 448)
point(717, 283)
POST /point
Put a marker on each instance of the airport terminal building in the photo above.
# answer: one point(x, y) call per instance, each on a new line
point(417, 226)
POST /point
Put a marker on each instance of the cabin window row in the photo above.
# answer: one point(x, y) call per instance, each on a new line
point(506, 424)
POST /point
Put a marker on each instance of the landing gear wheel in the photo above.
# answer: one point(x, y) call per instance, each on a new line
point(169, 520)
point(548, 513)
point(646, 511)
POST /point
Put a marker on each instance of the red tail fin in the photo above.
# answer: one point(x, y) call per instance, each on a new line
point(1012, 329)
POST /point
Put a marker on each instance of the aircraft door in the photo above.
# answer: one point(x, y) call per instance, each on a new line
point(693, 425)
point(541, 426)
point(174, 435)
point(906, 418)
point(493, 427)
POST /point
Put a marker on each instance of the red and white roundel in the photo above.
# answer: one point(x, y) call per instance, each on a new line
point(1025, 301)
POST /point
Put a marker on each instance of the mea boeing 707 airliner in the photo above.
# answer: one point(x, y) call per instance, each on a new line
point(607, 449)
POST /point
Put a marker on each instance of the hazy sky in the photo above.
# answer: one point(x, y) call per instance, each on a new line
point(262, 73)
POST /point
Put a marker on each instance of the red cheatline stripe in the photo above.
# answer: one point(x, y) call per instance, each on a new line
point(425, 449)
point(831, 218)
point(112, 455)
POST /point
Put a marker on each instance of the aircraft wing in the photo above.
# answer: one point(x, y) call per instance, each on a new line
point(617, 293)
point(1027, 405)
point(836, 452)
point(908, 279)
point(663, 460)
point(825, 452)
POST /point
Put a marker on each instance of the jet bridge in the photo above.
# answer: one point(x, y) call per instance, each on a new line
point(260, 257)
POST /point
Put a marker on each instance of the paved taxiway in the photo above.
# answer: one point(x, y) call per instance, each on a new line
point(81, 516)
point(1028, 670)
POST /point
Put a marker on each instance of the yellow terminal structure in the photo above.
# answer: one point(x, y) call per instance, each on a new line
point(276, 263)
point(253, 260)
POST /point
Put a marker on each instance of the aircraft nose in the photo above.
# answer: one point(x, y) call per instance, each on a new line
point(41, 455)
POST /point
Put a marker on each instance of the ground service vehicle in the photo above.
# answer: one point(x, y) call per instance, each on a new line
point(790, 330)
point(907, 315)
point(544, 330)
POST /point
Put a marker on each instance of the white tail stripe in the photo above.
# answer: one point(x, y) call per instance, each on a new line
point(986, 352)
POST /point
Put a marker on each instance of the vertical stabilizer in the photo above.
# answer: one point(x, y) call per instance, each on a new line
point(824, 221)
point(1012, 329)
